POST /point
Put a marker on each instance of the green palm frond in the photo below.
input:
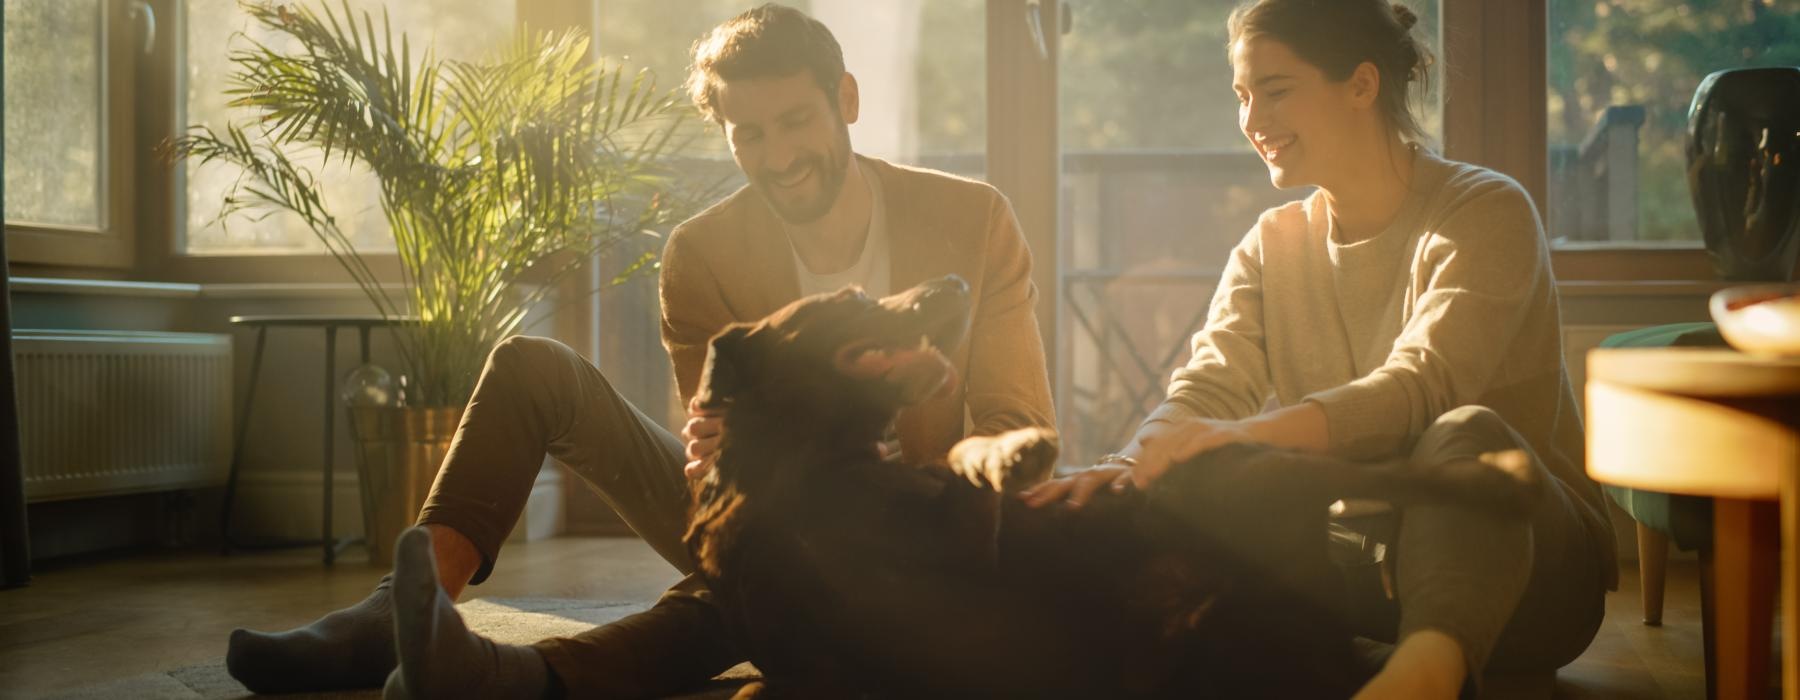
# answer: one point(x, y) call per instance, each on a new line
point(490, 171)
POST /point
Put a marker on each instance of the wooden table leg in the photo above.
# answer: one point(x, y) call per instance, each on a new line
point(1653, 570)
point(1746, 569)
point(1790, 582)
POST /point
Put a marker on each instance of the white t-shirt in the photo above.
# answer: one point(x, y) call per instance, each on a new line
point(871, 270)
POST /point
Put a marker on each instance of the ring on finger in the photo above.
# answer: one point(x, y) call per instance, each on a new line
point(1116, 458)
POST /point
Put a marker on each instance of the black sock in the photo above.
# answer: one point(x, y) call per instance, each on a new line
point(439, 656)
point(349, 648)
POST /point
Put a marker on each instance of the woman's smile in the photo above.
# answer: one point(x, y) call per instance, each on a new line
point(1274, 147)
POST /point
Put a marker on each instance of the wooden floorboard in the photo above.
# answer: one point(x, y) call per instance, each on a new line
point(105, 618)
point(1631, 660)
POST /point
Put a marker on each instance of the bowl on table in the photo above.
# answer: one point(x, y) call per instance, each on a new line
point(1761, 319)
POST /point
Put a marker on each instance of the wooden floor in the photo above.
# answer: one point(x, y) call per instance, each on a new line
point(87, 622)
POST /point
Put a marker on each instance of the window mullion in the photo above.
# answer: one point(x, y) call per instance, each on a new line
point(1024, 154)
point(125, 43)
point(1495, 86)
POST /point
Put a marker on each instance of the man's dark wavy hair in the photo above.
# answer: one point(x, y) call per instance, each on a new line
point(771, 41)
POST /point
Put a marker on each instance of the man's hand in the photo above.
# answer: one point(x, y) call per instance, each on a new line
point(702, 433)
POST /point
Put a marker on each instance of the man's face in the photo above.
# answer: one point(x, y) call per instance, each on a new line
point(790, 140)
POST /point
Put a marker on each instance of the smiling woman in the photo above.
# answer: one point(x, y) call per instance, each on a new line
point(1158, 185)
point(1407, 296)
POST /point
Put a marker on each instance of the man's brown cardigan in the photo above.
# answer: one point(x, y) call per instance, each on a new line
point(733, 263)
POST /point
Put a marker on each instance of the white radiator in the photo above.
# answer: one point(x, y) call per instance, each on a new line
point(111, 412)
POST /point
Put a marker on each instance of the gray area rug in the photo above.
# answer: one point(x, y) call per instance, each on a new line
point(509, 620)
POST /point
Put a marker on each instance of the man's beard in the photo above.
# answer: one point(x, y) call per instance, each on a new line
point(830, 169)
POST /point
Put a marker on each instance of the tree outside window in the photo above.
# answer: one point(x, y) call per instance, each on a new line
point(1648, 54)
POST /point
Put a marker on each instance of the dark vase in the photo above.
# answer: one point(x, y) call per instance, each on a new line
point(1743, 158)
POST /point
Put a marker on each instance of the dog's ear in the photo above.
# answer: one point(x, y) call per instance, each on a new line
point(723, 375)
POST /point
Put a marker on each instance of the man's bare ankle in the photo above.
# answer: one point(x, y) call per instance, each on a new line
point(457, 558)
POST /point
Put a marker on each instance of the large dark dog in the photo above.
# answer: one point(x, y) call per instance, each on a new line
point(841, 574)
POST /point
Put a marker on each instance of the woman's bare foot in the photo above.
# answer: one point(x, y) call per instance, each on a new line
point(1427, 665)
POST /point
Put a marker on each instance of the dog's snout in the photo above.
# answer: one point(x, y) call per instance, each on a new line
point(943, 292)
point(947, 292)
point(940, 290)
point(954, 284)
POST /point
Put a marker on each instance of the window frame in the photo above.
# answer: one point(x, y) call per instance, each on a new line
point(111, 245)
point(1496, 114)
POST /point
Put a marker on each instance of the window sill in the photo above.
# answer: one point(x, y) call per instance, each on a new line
point(290, 290)
point(1640, 288)
point(92, 287)
point(177, 290)
point(1636, 264)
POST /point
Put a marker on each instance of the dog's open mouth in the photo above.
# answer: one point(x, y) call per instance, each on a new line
point(908, 352)
point(919, 372)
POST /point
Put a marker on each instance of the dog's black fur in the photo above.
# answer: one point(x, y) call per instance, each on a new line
point(841, 574)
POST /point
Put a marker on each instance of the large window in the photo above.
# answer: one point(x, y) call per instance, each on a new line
point(922, 101)
point(1138, 76)
point(919, 64)
point(1621, 76)
point(456, 29)
point(54, 162)
point(68, 130)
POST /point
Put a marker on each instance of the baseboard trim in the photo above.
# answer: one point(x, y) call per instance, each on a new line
point(287, 504)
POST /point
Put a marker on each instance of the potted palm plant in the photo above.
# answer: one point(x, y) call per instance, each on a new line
point(496, 176)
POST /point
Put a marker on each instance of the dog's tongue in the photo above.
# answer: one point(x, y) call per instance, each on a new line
point(921, 374)
point(948, 387)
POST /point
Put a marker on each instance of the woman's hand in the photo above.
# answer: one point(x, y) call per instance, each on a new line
point(1074, 490)
point(1161, 444)
point(1157, 446)
point(702, 433)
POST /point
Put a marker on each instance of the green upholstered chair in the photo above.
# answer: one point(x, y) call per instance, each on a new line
point(1663, 518)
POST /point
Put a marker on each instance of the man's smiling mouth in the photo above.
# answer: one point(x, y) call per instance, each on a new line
point(793, 180)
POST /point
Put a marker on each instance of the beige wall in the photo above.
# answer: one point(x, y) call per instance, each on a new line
point(281, 481)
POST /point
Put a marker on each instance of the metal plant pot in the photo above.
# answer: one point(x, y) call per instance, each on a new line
point(398, 454)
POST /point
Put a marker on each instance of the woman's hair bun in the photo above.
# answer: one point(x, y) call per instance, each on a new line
point(1405, 16)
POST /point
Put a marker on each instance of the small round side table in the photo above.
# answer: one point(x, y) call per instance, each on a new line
point(1715, 422)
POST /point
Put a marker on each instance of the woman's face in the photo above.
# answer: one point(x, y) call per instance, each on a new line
point(1298, 120)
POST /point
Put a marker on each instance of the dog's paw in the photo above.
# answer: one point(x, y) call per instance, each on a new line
point(1524, 481)
point(1006, 462)
point(1504, 480)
